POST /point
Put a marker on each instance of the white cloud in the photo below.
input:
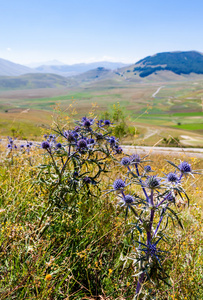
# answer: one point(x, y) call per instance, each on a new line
point(8, 49)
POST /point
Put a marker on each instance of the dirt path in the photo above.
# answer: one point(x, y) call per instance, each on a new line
point(144, 150)
point(157, 91)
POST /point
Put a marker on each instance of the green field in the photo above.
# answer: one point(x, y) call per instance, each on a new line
point(176, 107)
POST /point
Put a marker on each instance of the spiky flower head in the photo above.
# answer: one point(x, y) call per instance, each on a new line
point(185, 167)
point(90, 141)
point(58, 145)
point(87, 123)
point(75, 174)
point(125, 161)
point(152, 182)
point(172, 177)
point(147, 169)
point(77, 128)
point(112, 140)
point(87, 180)
point(82, 144)
point(69, 135)
point(99, 123)
point(152, 249)
point(128, 199)
point(75, 134)
point(118, 184)
point(118, 149)
point(135, 158)
point(107, 122)
point(45, 145)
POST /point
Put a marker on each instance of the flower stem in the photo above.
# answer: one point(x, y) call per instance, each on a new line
point(138, 174)
point(139, 284)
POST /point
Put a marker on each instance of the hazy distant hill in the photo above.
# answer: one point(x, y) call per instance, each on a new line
point(37, 81)
point(8, 68)
point(180, 63)
point(53, 62)
point(71, 70)
point(34, 81)
point(168, 66)
point(93, 75)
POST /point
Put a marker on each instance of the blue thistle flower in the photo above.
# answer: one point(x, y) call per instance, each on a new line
point(69, 135)
point(118, 150)
point(87, 123)
point(147, 169)
point(135, 158)
point(87, 180)
point(99, 123)
point(45, 145)
point(152, 182)
point(77, 128)
point(82, 144)
point(185, 167)
point(128, 199)
point(112, 140)
point(90, 141)
point(58, 145)
point(75, 174)
point(107, 122)
point(118, 184)
point(75, 134)
point(125, 161)
point(172, 177)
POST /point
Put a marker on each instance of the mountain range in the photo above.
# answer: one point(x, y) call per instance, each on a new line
point(166, 66)
point(8, 68)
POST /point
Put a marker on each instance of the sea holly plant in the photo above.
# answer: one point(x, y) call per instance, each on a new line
point(75, 160)
point(151, 209)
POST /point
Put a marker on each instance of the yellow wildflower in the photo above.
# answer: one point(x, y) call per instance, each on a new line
point(48, 277)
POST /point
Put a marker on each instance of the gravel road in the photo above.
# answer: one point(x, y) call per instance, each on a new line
point(144, 150)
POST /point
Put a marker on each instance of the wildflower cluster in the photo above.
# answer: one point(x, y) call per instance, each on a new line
point(152, 210)
point(78, 157)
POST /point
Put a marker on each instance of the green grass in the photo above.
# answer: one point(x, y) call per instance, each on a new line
point(192, 127)
point(171, 106)
point(79, 254)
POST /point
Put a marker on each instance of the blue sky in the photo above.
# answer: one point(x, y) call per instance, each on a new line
point(94, 30)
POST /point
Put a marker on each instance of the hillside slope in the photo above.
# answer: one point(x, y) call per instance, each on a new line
point(34, 81)
point(179, 63)
point(8, 68)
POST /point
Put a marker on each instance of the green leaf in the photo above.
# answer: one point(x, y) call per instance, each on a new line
point(176, 216)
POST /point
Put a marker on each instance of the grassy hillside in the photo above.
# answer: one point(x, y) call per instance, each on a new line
point(177, 62)
point(8, 68)
point(34, 81)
